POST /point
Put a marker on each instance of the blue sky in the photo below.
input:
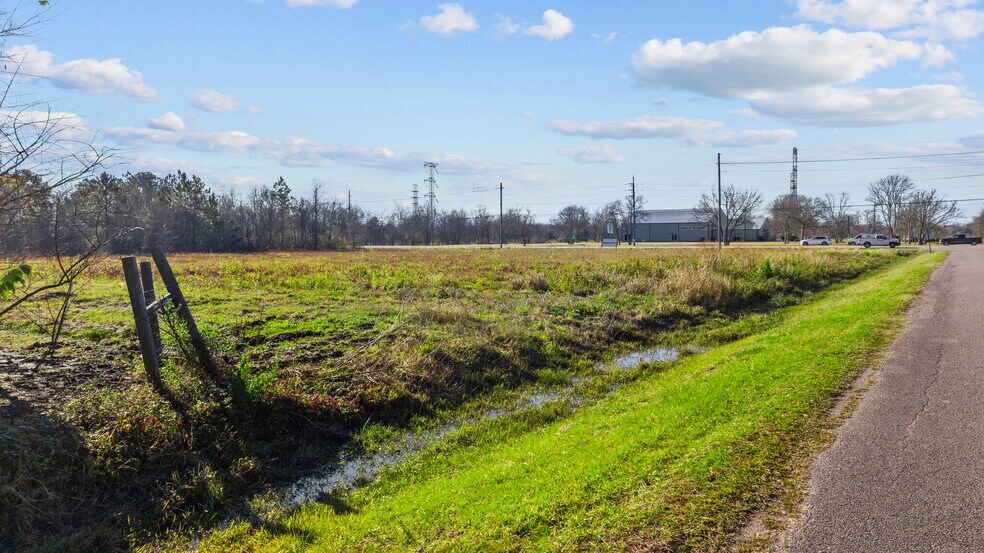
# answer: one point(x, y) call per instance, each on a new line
point(561, 101)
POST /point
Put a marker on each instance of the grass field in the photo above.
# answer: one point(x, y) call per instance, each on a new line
point(675, 460)
point(325, 351)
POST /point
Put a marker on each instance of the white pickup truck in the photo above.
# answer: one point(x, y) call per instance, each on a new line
point(868, 240)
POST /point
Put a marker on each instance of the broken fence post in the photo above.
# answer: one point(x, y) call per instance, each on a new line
point(171, 283)
point(147, 277)
point(144, 332)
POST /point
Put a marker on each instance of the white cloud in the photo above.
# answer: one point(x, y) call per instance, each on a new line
point(974, 141)
point(830, 106)
point(228, 141)
point(646, 126)
point(743, 139)
point(169, 121)
point(302, 152)
point(217, 102)
point(54, 124)
point(937, 55)
point(159, 165)
point(341, 4)
point(779, 58)
point(607, 39)
point(555, 25)
point(934, 19)
point(505, 25)
point(452, 19)
point(592, 154)
point(88, 75)
point(695, 132)
point(792, 73)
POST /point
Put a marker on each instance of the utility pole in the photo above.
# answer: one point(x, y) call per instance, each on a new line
point(633, 241)
point(794, 176)
point(720, 234)
point(350, 202)
point(500, 215)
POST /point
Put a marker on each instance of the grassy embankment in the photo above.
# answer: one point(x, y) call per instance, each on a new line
point(330, 350)
point(677, 459)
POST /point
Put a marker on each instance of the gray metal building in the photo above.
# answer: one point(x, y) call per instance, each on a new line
point(680, 225)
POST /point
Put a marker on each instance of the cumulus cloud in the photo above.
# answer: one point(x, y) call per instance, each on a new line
point(227, 141)
point(934, 19)
point(645, 126)
point(87, 75)
point(869, 107)
point(793, 73)
point(592, 154)
point(779, 58)
point(63, 125)
point(452, 19)
point(555, 25)
point(217, 102)
point(169, 121)
point(340, 4)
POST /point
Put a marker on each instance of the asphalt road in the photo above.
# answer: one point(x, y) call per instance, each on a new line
point(906, 471)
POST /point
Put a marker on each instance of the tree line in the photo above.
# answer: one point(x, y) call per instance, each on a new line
point(181, 213)
point(897, 208)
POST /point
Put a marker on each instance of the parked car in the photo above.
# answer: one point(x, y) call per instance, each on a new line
point(872, 239)
point(816, 241)
point(960, 239)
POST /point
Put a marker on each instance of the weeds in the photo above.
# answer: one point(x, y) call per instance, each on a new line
point(315, 346)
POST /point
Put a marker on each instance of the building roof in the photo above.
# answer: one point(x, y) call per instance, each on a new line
point(656, 216)
point(681, 216)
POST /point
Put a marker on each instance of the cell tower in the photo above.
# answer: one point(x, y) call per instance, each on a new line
point(793, 176)
point(431, 187)
point(415, 197)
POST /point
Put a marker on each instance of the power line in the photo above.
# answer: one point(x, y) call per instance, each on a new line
point(913, 156)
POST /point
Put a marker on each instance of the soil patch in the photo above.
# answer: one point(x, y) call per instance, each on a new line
point(41, 384)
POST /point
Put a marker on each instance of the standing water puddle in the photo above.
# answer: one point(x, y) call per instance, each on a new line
point(659, 354)
point(356, 470)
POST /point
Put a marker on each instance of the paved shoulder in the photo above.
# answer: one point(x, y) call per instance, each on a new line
point(906, 472)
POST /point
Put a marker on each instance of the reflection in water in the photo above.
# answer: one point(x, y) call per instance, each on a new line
point(355, 470)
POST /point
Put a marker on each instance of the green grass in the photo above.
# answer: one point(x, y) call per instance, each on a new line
point(321, 352)
point(673, 460)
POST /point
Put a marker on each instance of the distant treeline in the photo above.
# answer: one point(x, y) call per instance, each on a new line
point(181, 213)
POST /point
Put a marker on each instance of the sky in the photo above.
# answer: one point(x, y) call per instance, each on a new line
point(562, 101)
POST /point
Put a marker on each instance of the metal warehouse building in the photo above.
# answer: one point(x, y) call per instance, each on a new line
point(680, 225)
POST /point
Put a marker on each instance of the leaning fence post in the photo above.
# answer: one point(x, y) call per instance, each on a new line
point(171, 283)
point(147, 278)
point(144, 333)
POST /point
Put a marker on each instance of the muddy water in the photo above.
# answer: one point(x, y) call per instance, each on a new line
point(354, 471)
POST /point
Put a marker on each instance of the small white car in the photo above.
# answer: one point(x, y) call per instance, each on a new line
point(816, 241)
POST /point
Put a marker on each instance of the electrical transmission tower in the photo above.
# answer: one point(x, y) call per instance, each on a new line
point(431, 186)
point(431, 195)
point(415, 198)
point(793, 176)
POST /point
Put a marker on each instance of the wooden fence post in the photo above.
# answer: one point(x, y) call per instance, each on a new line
point(139, 304)
point(147, 278)
point(171, 283)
